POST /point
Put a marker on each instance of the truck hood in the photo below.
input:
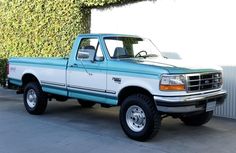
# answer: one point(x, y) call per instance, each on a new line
point(177, 66)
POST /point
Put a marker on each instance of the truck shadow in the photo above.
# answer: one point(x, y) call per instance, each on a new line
point(103, 121)
point(97, 120)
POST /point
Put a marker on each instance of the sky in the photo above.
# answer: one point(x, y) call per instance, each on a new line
point(202, 30)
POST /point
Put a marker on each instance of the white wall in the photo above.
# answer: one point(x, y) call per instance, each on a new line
point(202, 30)
point(196, 29)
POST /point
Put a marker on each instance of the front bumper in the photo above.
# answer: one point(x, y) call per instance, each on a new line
point(188, 104)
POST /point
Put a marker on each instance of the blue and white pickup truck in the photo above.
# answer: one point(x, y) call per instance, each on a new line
point(126, 71)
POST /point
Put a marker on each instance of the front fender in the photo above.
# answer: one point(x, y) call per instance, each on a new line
point(151, 85)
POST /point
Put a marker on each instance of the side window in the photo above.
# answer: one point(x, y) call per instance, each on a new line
point(112, 46)
point(89, 48)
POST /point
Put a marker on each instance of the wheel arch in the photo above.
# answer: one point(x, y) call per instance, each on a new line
point(29, 77)
point(129, 90)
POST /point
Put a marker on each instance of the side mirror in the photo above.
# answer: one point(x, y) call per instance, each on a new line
point(87, 54)
point(99, 59)
point(83, 55)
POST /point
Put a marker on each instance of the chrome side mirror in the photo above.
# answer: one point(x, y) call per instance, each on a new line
point(87, 54)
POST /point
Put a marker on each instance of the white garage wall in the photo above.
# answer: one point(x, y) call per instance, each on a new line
point(229, 108)
point(203, 30)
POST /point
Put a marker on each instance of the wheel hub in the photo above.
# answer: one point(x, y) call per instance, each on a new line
point(31, 98)
point(135, 118)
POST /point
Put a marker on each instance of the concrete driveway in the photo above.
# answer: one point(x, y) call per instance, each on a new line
point(68, 128)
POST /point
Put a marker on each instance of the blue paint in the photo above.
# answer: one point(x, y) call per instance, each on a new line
point(55, 90)
point(15, 81)
point(98, 97)
point(81, 94)
point(58, 63)
point(94, 93)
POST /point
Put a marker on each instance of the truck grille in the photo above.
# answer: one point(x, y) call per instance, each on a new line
point(203, 81)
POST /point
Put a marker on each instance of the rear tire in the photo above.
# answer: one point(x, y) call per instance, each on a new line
point(35, 100)
point(139, 117)
point(197, 120)
point(85, 103)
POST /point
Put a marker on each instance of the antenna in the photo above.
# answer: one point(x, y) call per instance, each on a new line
point(85, 68)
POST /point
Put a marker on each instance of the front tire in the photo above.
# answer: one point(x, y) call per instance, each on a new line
point(197, 120)
point(35, 100)
point(139, 117)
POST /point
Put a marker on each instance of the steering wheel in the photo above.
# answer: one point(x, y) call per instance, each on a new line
point(139, 53)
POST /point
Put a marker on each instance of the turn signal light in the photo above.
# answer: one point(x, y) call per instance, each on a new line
point(172, 87)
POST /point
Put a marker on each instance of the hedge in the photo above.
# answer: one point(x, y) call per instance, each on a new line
point(41, 28)
point(3, 72)
point(45, 28)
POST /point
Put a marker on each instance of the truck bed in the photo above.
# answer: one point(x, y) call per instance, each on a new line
point(50, 72)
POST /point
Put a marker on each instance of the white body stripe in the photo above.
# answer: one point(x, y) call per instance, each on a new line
point(43, 74)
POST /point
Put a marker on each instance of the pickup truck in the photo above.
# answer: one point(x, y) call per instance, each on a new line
point(126, 71)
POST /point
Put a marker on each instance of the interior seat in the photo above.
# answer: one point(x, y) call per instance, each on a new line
point(120, 51)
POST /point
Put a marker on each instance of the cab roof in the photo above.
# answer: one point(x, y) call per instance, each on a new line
point(107, 35)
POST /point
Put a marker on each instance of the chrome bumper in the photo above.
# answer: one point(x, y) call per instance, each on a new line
point(187, 104)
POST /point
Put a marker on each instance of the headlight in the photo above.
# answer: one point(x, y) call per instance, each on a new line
point(172, 83)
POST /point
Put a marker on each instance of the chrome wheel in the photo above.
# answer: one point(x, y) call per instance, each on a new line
point(135, 118)
point(31, 98)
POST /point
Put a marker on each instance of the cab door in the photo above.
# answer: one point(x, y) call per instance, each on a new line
point(86, 78)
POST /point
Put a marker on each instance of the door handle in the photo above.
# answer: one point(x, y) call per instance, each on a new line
point(74, 65)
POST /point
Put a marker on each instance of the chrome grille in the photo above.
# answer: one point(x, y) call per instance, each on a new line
point(203, 81)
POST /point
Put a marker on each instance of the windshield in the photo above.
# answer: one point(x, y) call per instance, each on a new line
point(131, 47)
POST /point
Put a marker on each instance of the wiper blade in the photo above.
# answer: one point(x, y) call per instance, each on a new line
point(152, 55)
point(149, 55)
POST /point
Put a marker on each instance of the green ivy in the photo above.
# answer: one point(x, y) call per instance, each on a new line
point(40, 27)
point(106, 3)
point(3, 72)
point(45, 28)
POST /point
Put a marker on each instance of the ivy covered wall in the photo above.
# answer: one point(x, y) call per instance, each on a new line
point(45, 28)
point(40, 27)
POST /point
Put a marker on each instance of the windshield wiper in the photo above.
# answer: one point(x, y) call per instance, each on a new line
point(149, 55)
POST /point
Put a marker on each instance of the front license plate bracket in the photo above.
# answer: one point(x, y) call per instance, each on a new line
point(210, 106)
